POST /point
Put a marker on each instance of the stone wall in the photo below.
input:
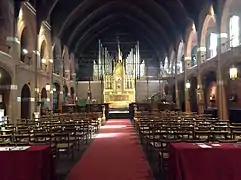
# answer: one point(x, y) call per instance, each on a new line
point(83, 87)
point(145, 90)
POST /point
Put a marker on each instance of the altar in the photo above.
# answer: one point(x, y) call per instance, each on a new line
point(119, 87)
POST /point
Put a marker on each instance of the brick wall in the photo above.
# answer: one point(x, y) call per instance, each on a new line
point(83, 88)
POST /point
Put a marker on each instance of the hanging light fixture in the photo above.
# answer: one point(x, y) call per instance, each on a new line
point(233, 73)
point(188, 85)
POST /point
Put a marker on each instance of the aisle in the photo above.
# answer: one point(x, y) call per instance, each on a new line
point(115, 154)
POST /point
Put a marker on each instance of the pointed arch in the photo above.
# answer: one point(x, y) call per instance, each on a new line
point(208, 26)
point(191, 40)
point(25, 102)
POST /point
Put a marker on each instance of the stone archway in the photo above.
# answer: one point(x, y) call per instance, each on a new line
point(25, 46)
point(43, 56)
point(191, 41)
point(25, 102)
point(210, 92)
point(5, 86)
point(193, 94)
point(210, 87)
point(181, 87)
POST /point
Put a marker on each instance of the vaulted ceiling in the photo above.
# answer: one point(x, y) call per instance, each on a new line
point(157, 24)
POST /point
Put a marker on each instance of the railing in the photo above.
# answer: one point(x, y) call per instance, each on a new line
point(225, 47)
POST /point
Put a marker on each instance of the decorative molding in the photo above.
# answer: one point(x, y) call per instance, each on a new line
point(5, 54)
point(201, 49)
point(13, 39)
point(30, 7)
point(47, 25)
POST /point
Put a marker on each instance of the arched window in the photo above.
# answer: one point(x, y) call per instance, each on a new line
point(43, 60)
point(167, 66)
point(180, 65)
point(194, 56)
point(213, 44)
point(234, 29)
point(25, 55)
point(56, 63)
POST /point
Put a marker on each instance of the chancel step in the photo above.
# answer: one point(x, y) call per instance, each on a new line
point(119, 113)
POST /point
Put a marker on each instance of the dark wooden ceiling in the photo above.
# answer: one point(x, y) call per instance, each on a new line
point(157, 24)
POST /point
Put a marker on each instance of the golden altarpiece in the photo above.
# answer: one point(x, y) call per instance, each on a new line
point(119, 87)
point(118, 77)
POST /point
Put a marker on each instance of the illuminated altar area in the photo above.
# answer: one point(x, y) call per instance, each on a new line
point(119, 76)
point(119, 88)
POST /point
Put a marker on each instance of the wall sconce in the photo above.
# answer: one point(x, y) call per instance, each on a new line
point(48, 87)
point(188, 85)
point(25, 51)
point(233, 73)
point(37, 90)
point(212, 98)
point(233, 98)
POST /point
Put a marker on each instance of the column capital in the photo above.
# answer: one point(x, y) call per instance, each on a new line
point(223, 35)
point(187, 58)
point(201, 49)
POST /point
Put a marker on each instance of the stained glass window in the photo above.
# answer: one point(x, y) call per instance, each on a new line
point(213, 44)
point(234, 31)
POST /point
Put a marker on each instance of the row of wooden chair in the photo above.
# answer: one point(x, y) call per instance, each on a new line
point(63, 133)
point(157, 130)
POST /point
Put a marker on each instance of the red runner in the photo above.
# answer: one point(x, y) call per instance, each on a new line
point(115, 154)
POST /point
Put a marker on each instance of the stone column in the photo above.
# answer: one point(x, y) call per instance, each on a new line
point(12, 103)
point(200, 96)
point(187, 96)
point(222, 99)
point(10, 44)
point(176, 86)
point(177, 95)
point(14, 106)
point(201, 58)
point(60, 60)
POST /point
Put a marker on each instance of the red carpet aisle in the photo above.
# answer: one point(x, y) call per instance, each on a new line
point(115, 154)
